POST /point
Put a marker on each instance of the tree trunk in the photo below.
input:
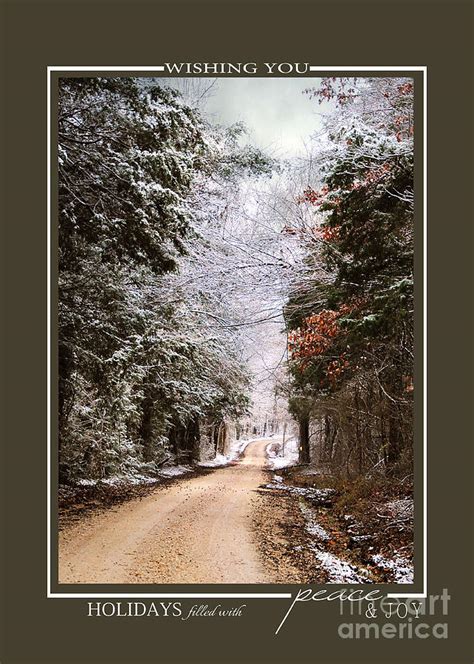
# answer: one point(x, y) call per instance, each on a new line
point(360, 452)
point(215, 437)
point(195, 439)
point(283, 441)
point(146, 429)
point(221, 438)
point(304, 438)
point(66, 365)
point(394, 441)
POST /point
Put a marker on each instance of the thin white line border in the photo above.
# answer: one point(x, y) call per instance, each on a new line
point(161, 68)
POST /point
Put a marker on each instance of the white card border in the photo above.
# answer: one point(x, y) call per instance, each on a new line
point(276, 595)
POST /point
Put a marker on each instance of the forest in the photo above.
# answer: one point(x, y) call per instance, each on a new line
point(212, 292)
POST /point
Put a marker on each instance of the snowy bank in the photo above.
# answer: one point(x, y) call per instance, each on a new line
point(401, 568)
point(237, 447)
point(279, 456)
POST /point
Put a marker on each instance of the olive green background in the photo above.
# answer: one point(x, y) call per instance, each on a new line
point(436, 34)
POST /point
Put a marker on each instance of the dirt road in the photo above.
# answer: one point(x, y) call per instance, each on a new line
point(198, 530)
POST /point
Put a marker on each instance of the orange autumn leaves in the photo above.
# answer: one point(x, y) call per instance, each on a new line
point(315, 336)
point(315, 339)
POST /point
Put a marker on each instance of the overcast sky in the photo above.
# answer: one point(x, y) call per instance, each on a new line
point(278, 115)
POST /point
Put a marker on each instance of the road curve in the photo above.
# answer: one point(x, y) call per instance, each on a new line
point(196, 530)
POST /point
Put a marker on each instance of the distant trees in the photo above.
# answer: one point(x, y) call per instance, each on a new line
point(140, 376)
point(351, 316)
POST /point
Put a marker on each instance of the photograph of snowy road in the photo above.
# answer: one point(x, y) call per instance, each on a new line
point(235, 321)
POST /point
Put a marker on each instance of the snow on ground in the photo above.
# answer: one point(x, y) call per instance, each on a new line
point(310, 471)
point(119, 479)
point(219, 461)
point(237, 448)
point(165, 472)
point(313, 494)
point(175, 471)
point(312, 526)
point(403, 508)
point(340, 571)
point(288, 458)
point(401, 568)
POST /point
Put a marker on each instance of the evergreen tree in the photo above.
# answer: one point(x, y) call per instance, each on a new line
point(360, 322)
